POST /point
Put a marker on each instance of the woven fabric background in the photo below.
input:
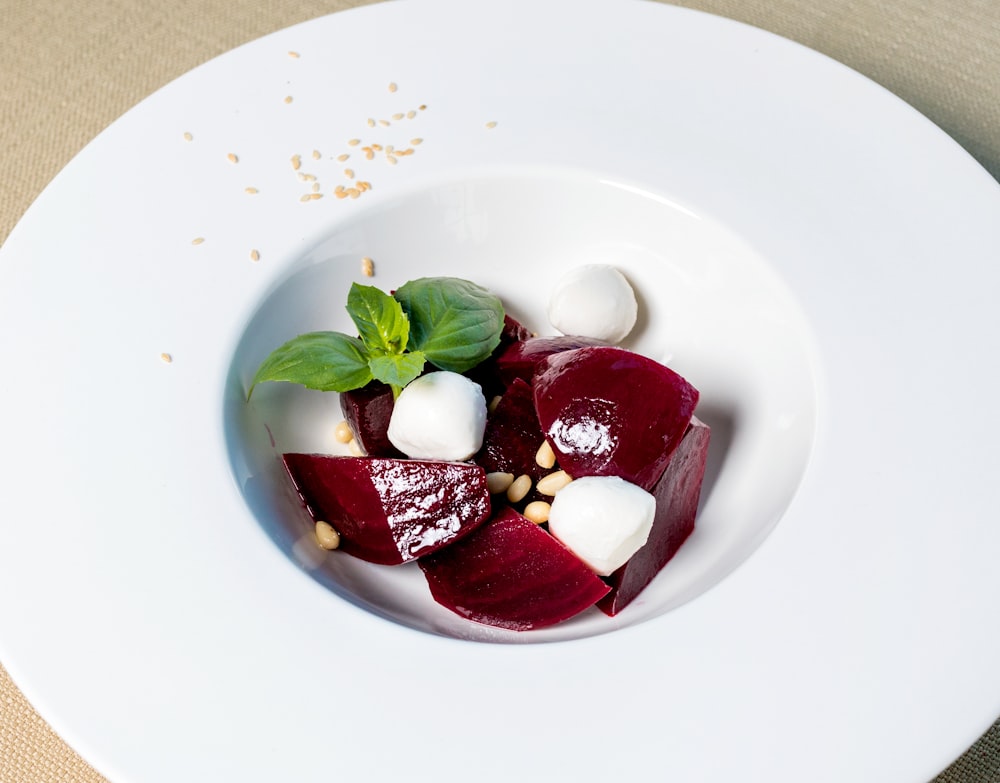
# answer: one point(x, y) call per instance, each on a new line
point(68, 71)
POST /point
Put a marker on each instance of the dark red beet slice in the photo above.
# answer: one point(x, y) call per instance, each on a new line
point(521, 359)
point(611, 412)
point(513, 435)
point(389, 511)
point(367, 410)
point(512, 574)
point(677, 493)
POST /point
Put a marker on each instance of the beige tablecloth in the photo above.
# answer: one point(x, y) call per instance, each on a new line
point(69, 69)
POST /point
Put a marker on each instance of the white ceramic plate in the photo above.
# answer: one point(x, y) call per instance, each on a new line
point(813, 254)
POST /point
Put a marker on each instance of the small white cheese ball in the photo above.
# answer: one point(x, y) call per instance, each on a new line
point(594, 300)
point(603, 520)
point(441, 415)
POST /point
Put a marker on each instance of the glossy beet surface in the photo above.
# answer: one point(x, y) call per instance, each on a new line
point(521, 359)
point(512, 574)
point(367, 411)
point(677, 493)
point(611, 412)
point(389, 511)
point(513, 435)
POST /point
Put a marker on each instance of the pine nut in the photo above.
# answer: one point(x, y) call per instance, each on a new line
point(519, 488)
point(545, 456)
point(355, 448)
point(326, 536)
point(343, 433)
point(499, 482)
point(553, 482)
point(493, 404)
point(537, 511)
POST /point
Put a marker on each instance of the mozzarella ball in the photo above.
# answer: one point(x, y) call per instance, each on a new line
point(441, 415)
point(603, 520)
point(596, 301)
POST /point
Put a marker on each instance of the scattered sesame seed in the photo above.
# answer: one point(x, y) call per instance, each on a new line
point(197, 240)
point(416, 142)
point(371, 123)
point(305, 197)
point(232, 158)
point(407, 151)
point(316, 155)
point(340, 192)
point(166, 357)
point(296, 161)
point(288, 99)
point(410, 114)
point(294, 55)
point(391, 159)
point(188, 136)
point(255, 255)
point(377, 147)
point(384, 123)
point(367, 267)
point(353, 142)
point(422, 107)
point(491, 124)
point(392, 87)
point(398, 115)
point(369, 154)
point(343, 157)
point(349, 173)
point(250, 191)
point(353, 192)
point(315, 187)
point(315, 196)
point(389, 149)
point(362, 186)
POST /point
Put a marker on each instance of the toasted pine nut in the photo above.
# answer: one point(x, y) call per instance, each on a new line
point(519, 488)
point(326, 536)
point(367, 267)
point(499, 482)
point(553, 482)
point(545, 456)
point(537, 511)
point(343, 433)
point(355, 448)
point(493, 404)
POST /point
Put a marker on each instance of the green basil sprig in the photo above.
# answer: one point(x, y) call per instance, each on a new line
point(449, 322)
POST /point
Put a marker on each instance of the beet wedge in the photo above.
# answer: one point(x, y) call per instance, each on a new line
point(367, 411)
point(677, 494)
point(513, 435)
point(511, 574)
point(389, 511)
point(521, 359)
point(611, 412)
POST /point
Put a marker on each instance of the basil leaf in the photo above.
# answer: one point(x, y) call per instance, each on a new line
point(380, 319)
point(397, 370)
point(457, 324)
point(326, 361)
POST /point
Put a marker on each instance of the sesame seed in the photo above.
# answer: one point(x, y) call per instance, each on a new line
point(389, 149)
point(384, 123)
point(410, 114)
point(232, 158)
point(250, 191)
point(353, 192)
point(367, 267)
point(255, 255)
point(377, 147)
point(398, 115)
point(407, 151)
point(296, 161)
point(188, 136)
point(315, 196)
point(368, 153)
point(288, 99)
point(316, 155)
point(315, 187)
point(371, 123)
point(491, 124)
point(197, 240)
point(416, 142)
point(343, 157)
point(340, 192)
point(294, 55)
point(391, 159)
point(349, 173)
point(305, 197)
point(166, 357)
point(353, 142)
point(392, 87)
point(422, 107)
